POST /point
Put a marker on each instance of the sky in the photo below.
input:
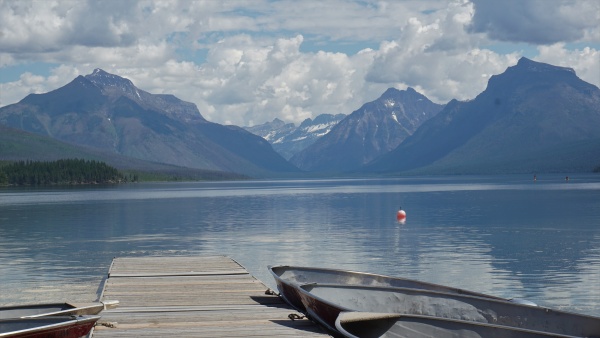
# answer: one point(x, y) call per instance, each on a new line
point(249, 62)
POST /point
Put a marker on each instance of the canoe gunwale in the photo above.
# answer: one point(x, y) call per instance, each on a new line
point(373, 276)
point(76, 310)
point(288, 288)
point(50, 309)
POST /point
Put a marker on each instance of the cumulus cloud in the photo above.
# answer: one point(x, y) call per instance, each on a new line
point(41, 26)
point(586, 61)
point(30, 26)
point(537, 21)
point(253, 81)
point(247, 62)
point(28, 83)
point(438, 58)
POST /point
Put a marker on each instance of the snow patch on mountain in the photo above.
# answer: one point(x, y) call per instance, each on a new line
point(318, 127)
point(288, 139)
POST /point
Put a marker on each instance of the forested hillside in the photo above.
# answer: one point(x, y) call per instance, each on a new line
point(69, 171)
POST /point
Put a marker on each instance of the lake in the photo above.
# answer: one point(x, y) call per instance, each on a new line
point(504, 235)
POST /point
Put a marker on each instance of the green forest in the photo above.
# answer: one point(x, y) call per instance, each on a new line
point(67, 171)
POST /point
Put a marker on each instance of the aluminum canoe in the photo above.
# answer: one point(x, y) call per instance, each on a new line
point(289, 278)
point(324, 303)
point(371, 325)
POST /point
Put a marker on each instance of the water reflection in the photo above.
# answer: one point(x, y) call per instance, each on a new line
point(498, 236)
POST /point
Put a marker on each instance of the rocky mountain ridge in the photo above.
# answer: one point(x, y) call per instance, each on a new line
point(374, 129)
point(287, 139)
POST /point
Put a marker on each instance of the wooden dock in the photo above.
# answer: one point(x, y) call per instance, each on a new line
point(193, 297)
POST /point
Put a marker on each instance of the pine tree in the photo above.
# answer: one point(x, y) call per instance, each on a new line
point(3, 178)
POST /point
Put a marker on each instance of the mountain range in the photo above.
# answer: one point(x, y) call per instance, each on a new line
point(534, 117)
point(109, 114)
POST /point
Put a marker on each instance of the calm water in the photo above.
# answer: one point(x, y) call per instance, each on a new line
point(504, 235)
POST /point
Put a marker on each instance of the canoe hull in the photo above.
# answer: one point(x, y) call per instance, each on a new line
point(371, 325)
point(326, 302)
point(47, 327)
point(289, 278)
point(290, 295)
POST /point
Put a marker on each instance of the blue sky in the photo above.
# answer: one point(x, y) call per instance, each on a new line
point(248, 62)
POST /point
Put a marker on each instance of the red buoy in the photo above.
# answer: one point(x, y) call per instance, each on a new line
point(401, 215)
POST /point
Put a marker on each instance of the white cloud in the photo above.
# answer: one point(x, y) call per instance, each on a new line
point(586, 61)
point(245, 62)
point(93, 23)
point(537, 21)
point(438, 57)
point(261, 81)
point(28, 83)
point(12, 92)
point(43, 26)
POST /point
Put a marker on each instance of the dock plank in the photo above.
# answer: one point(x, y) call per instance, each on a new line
point(181, 296)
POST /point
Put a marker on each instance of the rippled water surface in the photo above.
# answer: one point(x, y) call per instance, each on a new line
point(504, 235)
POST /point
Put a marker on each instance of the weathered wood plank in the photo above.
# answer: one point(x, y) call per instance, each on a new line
point(204, 317)
point(224, 329)
point(174, 265)
point(179, 296)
